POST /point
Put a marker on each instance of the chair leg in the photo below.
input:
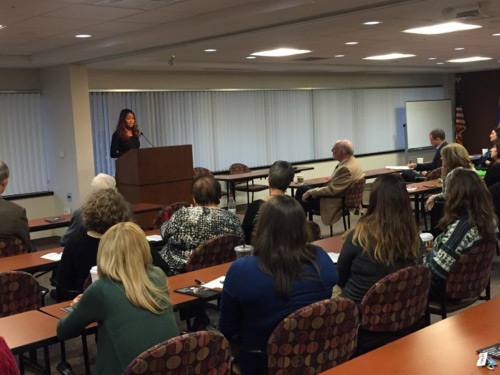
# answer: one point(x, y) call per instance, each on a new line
point(331, 230)
point(349, 220)
point(343, 219)
point(248, 194)
point(86, 359)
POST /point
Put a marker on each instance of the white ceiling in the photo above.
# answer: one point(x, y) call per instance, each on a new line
point(144, 34)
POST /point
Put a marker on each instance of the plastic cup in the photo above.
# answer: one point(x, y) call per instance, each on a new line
point(420, 160)
point(427, 239)
point(300, 179)
point(93, 274)
point(485, 150)
point(243, 251)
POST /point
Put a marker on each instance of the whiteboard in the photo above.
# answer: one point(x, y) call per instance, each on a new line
point(424, 116)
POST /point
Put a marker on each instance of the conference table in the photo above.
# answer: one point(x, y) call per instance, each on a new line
point(61, 221)
point(419, 190)
point(445, 347)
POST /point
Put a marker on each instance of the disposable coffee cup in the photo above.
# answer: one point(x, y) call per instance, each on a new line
point(243, 251)
point(485, 150)
point(93, 274)
point(420, 160)
point(427, 239)
point(300, 179)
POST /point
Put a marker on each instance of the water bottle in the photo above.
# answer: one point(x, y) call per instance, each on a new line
point(231, 204)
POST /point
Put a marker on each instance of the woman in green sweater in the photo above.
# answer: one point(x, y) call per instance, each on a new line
point(129, 302)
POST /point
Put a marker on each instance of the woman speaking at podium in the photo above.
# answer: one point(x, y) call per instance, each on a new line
point(126, 136)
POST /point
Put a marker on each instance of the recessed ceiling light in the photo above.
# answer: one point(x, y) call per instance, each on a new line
point(469, 59)
point(2, 27)
point(83, 36)
point(339, 55)
point(496, 34)
point(281, 52)
point(440, 63)
point(459, 49)
point(389, 56)
point(351, 43)
point(432, 58)
point(210, 50)
point(251, 57)
point(442, 28)
point(371, 23)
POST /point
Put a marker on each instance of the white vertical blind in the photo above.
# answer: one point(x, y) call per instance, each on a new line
point(258, 127)
point(22, 144)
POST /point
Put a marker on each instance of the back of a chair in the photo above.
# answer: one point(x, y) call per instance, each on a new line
point(314, 231)
point(396, 301)
point(166, 212)
point(200, 171)
point(314, 338)
point(11, 246)
point(471, 273)
point(19, 292)
point(433, 175)
point(213, 252)
point(238, 168)
point(193, 353)
point(353, 197)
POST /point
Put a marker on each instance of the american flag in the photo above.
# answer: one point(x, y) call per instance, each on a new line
point(460, 126)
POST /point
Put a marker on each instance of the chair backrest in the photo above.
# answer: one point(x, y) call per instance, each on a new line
point(200, 171)
point(166, 212)
point(396, 301)
point(314, 338)
point(11, 246)
point(433, 175)
point(353, 197)
point(213, 252)
point(194, 353)
point(238, 168)
point(19, 292)
point(315, 231)
point(470, 274)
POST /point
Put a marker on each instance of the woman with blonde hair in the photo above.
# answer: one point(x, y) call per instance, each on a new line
point(129, 302)
point(384, 240)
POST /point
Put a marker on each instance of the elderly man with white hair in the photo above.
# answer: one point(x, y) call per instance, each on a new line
point(99, 182)
point(327, 199)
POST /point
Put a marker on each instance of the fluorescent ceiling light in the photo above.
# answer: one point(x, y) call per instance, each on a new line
point(281, 52)
point(251, 57)
point(442, 28)
point(339, 55)
point(469, 59)
point(496, 34)
point(351, 43)
point(83, 36)
point(389, 56)
point(210, 50)
point(2, 27)
point(371, 23)
point(432, 58)
point(440, 63)
point(459, 49)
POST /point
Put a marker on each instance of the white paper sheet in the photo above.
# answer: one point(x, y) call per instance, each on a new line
point(154, 238)
point(52, 256)
point(334, 257)
point(400, 167)
point(218, 283)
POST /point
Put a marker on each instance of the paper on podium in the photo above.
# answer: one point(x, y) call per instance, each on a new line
point(218, 283)
point(52, 256)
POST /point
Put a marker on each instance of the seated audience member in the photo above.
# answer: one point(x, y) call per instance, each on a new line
point(493, 174)
point(468, 220)
point(486, 160)
point(322, 199)
point(8, 365)
point(14, 222)
point(280, 176)
point(284, 274)
point(129, 302)
point(384, 240)
point(99, 182)
point(189, 227)
point(101, 211)
point(437, 140)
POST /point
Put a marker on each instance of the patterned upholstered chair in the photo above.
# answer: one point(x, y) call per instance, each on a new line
point(352, 199)
point(467, 280)
point(203, 353)
point(314, 338)
point(248, 186)
point(19, 292)
point(393, 307)
point(315, 231)
point(215, 251)
point(166, 212)
point(200, 171)
point(11, 246)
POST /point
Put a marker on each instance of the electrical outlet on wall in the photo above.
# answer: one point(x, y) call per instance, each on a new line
point(68, 197)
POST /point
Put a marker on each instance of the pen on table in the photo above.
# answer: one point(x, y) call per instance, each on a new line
point(199, 282)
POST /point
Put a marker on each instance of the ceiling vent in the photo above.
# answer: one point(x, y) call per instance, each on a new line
point(468, 12)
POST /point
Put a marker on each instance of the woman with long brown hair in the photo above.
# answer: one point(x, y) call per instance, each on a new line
point(468, 219)
point(126, 136)
point(384, 240)
point(285, 274)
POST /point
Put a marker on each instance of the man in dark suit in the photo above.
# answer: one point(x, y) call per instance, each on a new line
point(437, 139)
point(14, 222)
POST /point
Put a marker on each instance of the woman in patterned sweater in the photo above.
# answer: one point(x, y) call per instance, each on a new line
point(468, 220)
point(192, 226)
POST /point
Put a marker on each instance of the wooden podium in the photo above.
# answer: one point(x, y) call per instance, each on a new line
point(160, 175)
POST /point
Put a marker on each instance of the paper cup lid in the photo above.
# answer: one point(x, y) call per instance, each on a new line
point(93, 269)
point(426, 236)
